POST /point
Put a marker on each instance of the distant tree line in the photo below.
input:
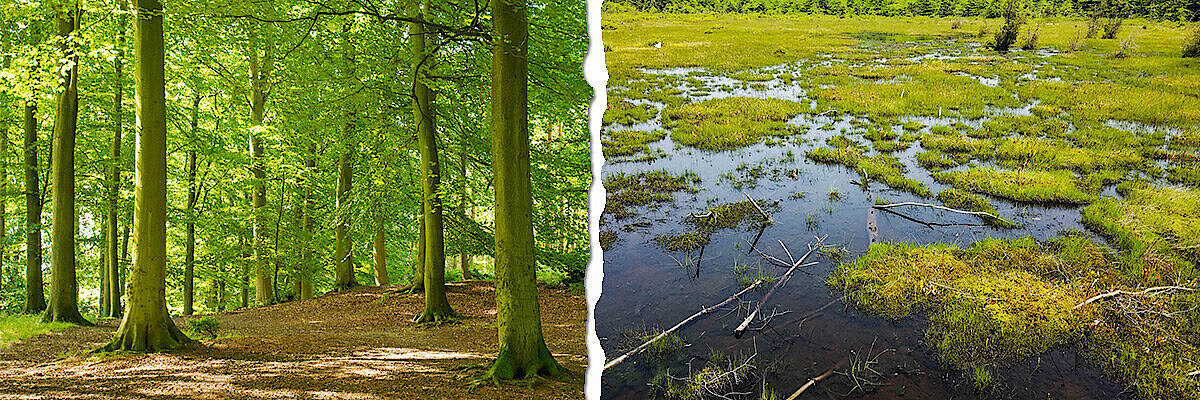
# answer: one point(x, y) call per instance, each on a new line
point(1177, 10)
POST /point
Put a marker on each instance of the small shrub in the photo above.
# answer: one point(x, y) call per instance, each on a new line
point(1191, 46)
point(956, 24)
point(1126, 49)
point(1112, 26)
point(1076, 43)
point(1014, 17)
point(205, 326)
point(1093, 25)
point(1031, 40)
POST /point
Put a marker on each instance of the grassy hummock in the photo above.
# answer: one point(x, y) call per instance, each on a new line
point(626, 113)
point(1027, 186)
point(644, 189)
point(1159, 227)
point(729, 123)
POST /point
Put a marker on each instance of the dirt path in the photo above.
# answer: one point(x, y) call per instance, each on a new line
point(355, 345)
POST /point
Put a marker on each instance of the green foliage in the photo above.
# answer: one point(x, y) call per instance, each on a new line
point(729, 123)
point(1191, 45)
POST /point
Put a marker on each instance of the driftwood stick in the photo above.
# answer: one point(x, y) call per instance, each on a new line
point(746, 323)
point(1194, 373)
point(954, 210)
point(702, 312)
point(1147, 292)
point(812, 313)
point(814, 381)
point(766, 217)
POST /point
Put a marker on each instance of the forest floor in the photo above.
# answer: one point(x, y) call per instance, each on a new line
point(359, 344)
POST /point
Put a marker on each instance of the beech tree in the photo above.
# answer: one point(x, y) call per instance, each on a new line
point(523, 351)
point(147, 324)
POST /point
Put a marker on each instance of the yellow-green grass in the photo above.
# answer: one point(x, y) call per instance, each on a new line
point(935, 160)
point(963, 200)
point(729, 123)
point(1130, 100)
point(1188, 174)
point(886, 169)
point(977, 148)
point(928, 92)
point(645, 188)
point(1028, 125)
point(1055, 154)
point(17, 327)
point(1035, 186)
point(629, 142)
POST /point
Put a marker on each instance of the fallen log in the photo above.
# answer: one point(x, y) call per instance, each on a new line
point(1147, 292)
point(702, 312)
point(814, 381)
point(795, 264)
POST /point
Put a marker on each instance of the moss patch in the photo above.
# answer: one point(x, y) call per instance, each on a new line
point(628, 142)
point(883, 168)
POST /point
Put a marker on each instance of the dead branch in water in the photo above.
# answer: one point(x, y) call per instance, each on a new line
point(954, 210)
point(814, 381)
point(1194, 373)
point(1147, 292)
point(795, 264)
point(702, 312)
point(813, 313)
point(766, 217)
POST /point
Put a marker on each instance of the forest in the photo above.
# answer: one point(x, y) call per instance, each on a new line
point(179, 158)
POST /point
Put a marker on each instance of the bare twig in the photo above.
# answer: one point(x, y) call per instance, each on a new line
point(795, 264)
point(1194, 373)
point(765, 216)
point(1147, 292)
point(702, 312)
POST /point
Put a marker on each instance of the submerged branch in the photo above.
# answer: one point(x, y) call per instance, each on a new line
point(702, 312)
point(783, 279)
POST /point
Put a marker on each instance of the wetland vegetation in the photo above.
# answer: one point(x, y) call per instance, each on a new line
point(1081, 139)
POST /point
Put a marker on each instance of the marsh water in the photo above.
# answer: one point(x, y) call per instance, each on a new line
point(647, 287)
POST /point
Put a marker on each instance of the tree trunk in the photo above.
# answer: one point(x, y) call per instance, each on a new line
point(35, 298)
point(437, 307)
point(189, 260)
point(147, 325)
point(380, 250)
point(523, 351)
point(343, 255)
point(260, 70)
point(310, 165)
point(64, 287)
point(464, 258)
point(417, 283)
point(110, 301)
